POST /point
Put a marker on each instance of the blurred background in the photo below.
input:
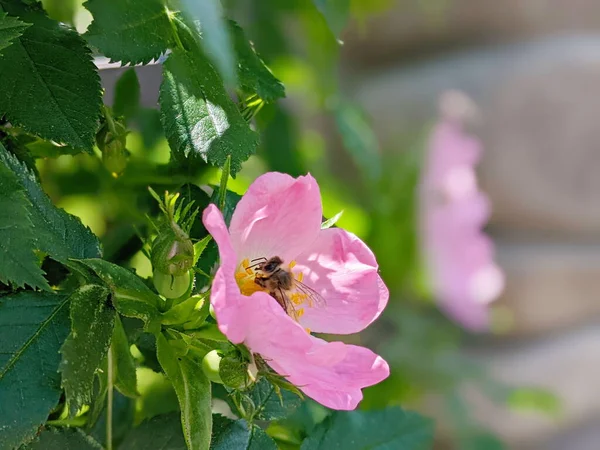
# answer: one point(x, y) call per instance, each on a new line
point(358, 117)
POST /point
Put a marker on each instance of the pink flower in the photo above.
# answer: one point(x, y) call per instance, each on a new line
point(281, 216)
point(464, 277)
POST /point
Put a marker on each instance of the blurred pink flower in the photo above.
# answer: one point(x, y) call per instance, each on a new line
point(460, 257)
point(281, 216)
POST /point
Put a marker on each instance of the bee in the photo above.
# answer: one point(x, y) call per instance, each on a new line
point(280, 282)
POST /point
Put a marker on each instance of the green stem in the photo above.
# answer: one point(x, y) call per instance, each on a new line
point(74, 422)
point(224, 180)
point(109, 401)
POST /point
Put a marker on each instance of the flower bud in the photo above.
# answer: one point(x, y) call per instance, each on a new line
point(210, 366)
point(112, 145)
point(171, 286)
point(172, 253)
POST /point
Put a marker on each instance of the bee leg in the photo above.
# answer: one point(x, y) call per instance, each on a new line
point(281, 300)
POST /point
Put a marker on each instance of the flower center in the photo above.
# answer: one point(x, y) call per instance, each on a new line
point(290, 298)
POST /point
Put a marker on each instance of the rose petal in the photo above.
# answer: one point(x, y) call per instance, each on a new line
point(333, 373)
point(330, 379)
point(278, 216)
point(450, 147)
point(453, 212)
point(456, 266)
point(341, 268)
point(225, 294)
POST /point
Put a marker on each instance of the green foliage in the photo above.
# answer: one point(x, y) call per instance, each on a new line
point(201, 122)
point(359, 139)
point(92, 322)
point(10, 29)
point(239, 435)
point(193, 392)
point(335, 12)
point(130, 31)
point(29, 360)
point(63, 439)
point(125, 378)
point(143, 357)
point(58, 234)
point(130, 296)
point(127, 95)
point(390, 428)
point(51, 70)
point(159, 433)
point(19, 265)
point(253, 75)
point(534, 399)
point(193, 309)
point(266, 401)
point(216, 40)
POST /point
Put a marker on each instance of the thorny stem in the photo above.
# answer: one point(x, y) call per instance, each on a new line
point(109, 401)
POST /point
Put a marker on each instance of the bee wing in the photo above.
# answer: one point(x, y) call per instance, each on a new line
point(314, 297)
point(287, 303)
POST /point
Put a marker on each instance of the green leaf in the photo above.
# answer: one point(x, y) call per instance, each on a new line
point(125, 377)
point(18, 265)
point(130, 31)
point(186, 311)
point(272, 403)
point(193, 392)
point(61, 10)
point(123, 412)
point(10, 29)
point(335, 12)
point(127, 95)
point(253, 75)
point(131, 297)
point(200, 246)
point(359, 139)
point(33, 327)
point(199, 118)
point(58, 234)
point(279, 141)
point(239, 435)
point(40, 148)
point(357, 430)
point(215, 35)
point(159, 433)
point(233, 372)
point(331, 222)
point(534, 399)
point(231, 201)
point(92, 323)
point(63, 439)
point(51, 87)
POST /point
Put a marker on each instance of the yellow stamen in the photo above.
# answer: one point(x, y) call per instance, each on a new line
point(246, 263)
point(249, 287)
point(249, 271)
point(307, 330)
point(292, 264)
point(300, 277)
point(296, 298)
point(299, 313)
point(240, 276)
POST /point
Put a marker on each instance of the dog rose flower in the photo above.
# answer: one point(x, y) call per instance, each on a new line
point(281, 216)
point(460, 257)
